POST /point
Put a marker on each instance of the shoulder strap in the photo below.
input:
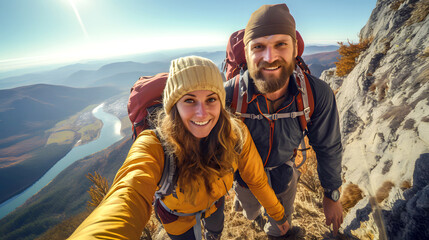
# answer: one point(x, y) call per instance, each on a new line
point(239, 98)
point(166, 183)
point(305, 100)
point(305, 103)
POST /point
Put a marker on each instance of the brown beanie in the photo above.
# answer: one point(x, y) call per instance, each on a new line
point(189, 74)
point(269, 20)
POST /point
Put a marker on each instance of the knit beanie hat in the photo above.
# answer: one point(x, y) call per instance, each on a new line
point(269, 20)
point(189, 74)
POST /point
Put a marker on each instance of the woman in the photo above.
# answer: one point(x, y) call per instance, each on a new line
point(208, 145)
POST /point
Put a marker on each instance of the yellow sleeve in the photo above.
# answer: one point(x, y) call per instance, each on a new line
point(253, 173)
point(127, 206)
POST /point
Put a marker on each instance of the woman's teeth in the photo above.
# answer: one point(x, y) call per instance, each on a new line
point(201, 123)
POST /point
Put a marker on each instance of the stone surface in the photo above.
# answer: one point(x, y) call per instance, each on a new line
point(383, 106)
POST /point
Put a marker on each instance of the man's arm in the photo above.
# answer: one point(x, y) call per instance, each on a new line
point(325, 138)
point(324, 135)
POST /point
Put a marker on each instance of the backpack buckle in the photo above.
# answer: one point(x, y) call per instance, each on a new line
point(274, 116)
point(254, 116)
point(307, 110)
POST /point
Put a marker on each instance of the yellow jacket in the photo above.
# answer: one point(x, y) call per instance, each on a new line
point(126, 208)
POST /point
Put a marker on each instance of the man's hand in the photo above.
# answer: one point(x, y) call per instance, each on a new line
point(333, 213)
point(284, 227)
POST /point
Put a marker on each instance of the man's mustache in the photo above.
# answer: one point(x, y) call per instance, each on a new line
point(276, 63)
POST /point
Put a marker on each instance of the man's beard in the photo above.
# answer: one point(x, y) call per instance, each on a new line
point(270, 84)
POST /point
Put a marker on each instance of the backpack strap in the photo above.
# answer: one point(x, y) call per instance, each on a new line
point(305, 99)
point(239, 98)
point(305, 102)
point(300, 62)
point(167, 182)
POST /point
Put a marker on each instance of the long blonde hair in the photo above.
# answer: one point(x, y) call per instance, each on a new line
point(200, 161)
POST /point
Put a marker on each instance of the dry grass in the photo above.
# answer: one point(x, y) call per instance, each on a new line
point(405, 185)
point(383, 191)
point(421, 10)
point(425, 53)
point(98, 190)
point(380, 88)
point(350, 196)
point(308, 203)
point(395, 5)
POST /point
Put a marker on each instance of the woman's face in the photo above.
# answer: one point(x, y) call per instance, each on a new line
point(199, 111)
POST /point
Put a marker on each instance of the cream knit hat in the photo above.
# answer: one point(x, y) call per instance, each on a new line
point(189, 74)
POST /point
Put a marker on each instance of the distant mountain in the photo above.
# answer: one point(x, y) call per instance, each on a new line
point(38, 107)
point(321, 61)
point(115, 74)
point(312, 49)
point(217, 56)
point(47, 77)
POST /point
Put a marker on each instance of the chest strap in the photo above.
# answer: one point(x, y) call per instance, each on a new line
point(274, 116)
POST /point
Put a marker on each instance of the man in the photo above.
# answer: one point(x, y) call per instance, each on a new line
point(271, 49)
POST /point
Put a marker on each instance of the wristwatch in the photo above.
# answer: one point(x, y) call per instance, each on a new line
point(334, 195)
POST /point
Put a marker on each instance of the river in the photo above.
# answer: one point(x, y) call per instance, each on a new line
point(110, 133)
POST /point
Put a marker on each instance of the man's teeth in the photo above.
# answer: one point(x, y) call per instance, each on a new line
point(272, 68)
point(201, 123)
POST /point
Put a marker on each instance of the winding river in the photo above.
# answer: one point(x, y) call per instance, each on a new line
point(110, 133)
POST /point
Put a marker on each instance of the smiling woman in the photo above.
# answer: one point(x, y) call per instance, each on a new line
point(199, 111)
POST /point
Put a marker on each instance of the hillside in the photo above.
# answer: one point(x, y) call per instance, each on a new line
point(383, 105)
point(314, 49)
point(29, 142)
point(37, 107)
point(65, 196)
point(320, 62)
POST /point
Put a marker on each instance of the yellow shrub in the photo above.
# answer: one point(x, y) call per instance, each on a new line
point(348, 54)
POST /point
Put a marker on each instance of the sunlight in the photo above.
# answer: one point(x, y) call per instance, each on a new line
point(79, 19)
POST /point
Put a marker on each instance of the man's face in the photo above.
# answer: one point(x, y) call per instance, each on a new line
point(271, 60)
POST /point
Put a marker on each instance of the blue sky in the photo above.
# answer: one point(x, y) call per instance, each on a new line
point(54, 31)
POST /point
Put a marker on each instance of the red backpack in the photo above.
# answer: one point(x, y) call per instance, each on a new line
point(235, 63)
point(145, 96)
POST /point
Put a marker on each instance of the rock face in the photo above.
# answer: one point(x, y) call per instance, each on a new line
point(383, 106)
point(408, 218)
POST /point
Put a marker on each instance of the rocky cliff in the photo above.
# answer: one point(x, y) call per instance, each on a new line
point(383, 105)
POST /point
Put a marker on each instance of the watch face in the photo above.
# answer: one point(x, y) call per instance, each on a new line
point(335, 195)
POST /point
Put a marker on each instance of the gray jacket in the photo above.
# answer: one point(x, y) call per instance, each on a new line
point(276, 140)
